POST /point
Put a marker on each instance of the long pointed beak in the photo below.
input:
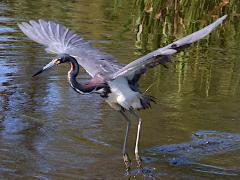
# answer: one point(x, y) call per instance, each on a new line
point(48, 66)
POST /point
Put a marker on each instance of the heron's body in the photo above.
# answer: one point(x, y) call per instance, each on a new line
point(117, 84)
point(120, 93)
point(122, 96)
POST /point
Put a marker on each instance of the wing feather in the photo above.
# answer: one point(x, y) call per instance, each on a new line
point(162, 55)
point(59, 39)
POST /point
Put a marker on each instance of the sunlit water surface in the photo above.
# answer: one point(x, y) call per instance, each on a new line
point(47, 131)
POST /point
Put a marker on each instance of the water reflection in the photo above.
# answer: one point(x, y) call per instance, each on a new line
point(47, 131)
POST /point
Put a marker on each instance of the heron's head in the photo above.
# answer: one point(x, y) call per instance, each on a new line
point(64, 58)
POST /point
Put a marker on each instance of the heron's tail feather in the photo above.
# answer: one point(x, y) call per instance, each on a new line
point(146, 101)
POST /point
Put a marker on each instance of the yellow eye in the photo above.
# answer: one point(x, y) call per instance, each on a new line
point(57, 62)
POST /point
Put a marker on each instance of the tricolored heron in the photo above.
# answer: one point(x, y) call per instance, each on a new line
point(116, 83)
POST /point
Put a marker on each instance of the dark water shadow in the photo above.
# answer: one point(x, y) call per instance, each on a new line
point(189, 155)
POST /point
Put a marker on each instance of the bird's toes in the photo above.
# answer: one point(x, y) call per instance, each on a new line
point(138, 160)
point(126, 161)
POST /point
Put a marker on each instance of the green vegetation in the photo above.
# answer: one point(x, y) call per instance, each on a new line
point(159, 22)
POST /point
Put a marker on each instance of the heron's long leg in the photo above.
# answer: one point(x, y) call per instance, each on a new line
point(125, 145)
point(138, 158)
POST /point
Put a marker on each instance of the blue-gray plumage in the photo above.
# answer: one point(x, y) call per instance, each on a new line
point(116, 83)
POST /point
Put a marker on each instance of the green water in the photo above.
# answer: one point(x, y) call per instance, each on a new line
point(47, 131)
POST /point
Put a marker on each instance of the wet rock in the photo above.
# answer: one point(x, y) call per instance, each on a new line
point(203, 143)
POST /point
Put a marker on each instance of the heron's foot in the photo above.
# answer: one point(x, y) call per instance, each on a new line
point(138, 160)
point(127, 161)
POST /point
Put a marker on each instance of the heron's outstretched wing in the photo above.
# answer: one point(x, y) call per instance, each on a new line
point(59, 39)
point(162, 55)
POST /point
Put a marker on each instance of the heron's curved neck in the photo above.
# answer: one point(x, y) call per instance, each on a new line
point(72, 74)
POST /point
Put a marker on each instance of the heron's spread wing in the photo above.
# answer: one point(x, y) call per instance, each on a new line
point(162, 55)
point(59, 39)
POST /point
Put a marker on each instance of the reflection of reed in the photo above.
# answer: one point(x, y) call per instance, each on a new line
point(4, 99)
